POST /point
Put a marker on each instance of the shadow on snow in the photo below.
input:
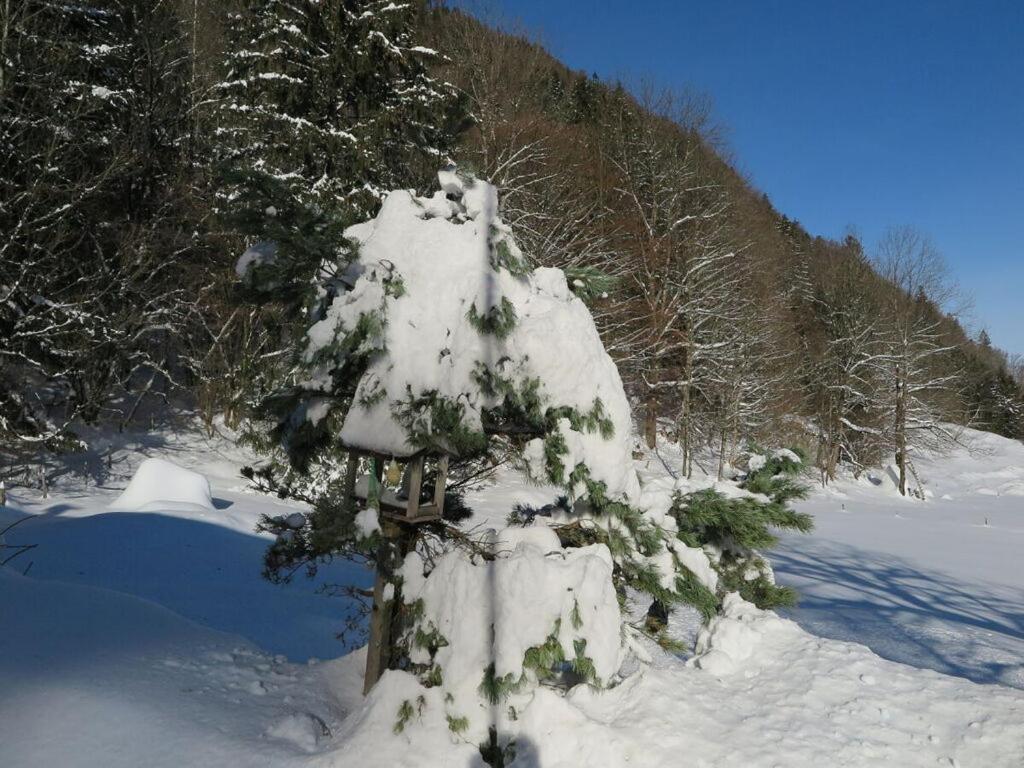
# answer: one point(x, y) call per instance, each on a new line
point(905, 613)
point(205, 572)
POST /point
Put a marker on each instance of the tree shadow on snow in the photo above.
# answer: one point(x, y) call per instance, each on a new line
point(907, 614)
point(204, 572)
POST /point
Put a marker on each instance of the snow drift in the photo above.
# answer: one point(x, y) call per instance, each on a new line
point(159, 484)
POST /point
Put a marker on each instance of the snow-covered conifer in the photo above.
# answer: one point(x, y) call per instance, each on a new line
point(323, 106)
point(432, 334)
point(90, 124)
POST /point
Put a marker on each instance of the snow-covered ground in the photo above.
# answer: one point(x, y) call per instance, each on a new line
point(936, 584)
point(149, 638)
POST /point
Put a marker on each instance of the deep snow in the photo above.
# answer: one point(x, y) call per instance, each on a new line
point(148, 638)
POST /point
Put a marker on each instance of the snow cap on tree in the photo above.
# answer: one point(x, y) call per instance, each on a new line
point(448, 335)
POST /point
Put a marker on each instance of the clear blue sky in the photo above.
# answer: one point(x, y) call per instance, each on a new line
point(847, 114)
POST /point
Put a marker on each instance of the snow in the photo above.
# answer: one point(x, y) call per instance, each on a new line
point(203, 563)
point(159, 484)
point(785, 453)
point(367, 522)
point(440, 250)
point(256, 255)
point(734, 636)
point(95, 677)
point(935, 584)
point(142, 638)
point(530, 591)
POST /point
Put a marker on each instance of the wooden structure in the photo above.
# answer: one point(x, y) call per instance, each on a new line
point(406, 504)
point(400, 510)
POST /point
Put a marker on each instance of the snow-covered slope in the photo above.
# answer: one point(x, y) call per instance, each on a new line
point(147, 638)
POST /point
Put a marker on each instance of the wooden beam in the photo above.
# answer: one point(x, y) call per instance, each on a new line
point(440, 483)
point(378, 649)
point(415, 486)
point(350, 482)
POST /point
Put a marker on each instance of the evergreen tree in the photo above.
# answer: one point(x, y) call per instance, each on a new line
point(324, 105)
point(94, 288)
point(431, 341)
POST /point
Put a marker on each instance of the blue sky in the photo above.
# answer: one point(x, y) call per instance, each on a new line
point(849, 115)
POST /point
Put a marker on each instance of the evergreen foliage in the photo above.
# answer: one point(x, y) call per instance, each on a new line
point(100, 257)
point(324, 107)
point(734, 529)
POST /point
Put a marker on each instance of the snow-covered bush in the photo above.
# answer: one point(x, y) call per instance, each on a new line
point(432, 332)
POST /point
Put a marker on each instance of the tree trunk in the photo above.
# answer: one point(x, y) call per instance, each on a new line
point(900, 430)
point(721, 453)
point(684, 431)
point(651, 421)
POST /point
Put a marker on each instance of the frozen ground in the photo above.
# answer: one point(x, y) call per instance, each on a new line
point(148, 638)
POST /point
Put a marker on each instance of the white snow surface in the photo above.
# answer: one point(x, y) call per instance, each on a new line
point(159, 484)
point(935, 583)
point(529, 589)
point(440, 249)
point(142, 638)
point(255, 255)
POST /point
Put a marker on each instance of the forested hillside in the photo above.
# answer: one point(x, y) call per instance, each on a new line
point(146, 146)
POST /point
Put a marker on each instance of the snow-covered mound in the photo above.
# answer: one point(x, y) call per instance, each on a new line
point(159, 484)
point(533, 595)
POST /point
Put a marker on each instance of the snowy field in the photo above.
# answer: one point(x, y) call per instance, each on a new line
point(938, 585)
point(143, 635)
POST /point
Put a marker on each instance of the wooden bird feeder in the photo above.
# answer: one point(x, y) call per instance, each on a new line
point(405, 504)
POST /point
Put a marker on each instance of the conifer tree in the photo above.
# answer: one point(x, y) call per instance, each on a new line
point(90, 123)
point(324, 105)
point(733, 529)
point(433, 339)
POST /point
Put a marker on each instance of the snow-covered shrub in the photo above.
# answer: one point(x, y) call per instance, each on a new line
point(733, 528)
point(433, 332)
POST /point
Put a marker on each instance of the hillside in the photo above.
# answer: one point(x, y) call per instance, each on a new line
point(724, 315)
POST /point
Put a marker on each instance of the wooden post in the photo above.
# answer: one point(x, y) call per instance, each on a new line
point(378, 649)
point(440, 483)
point(350, 481)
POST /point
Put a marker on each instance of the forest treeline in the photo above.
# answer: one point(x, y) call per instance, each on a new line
point(145, 146)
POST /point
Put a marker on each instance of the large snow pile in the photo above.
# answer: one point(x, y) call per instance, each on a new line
point(159, 484)
point(456, 322)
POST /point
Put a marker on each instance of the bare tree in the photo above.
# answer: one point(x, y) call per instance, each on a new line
point(541, 164)
point(849, 374)
point(683, 275)
point(920, 376)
